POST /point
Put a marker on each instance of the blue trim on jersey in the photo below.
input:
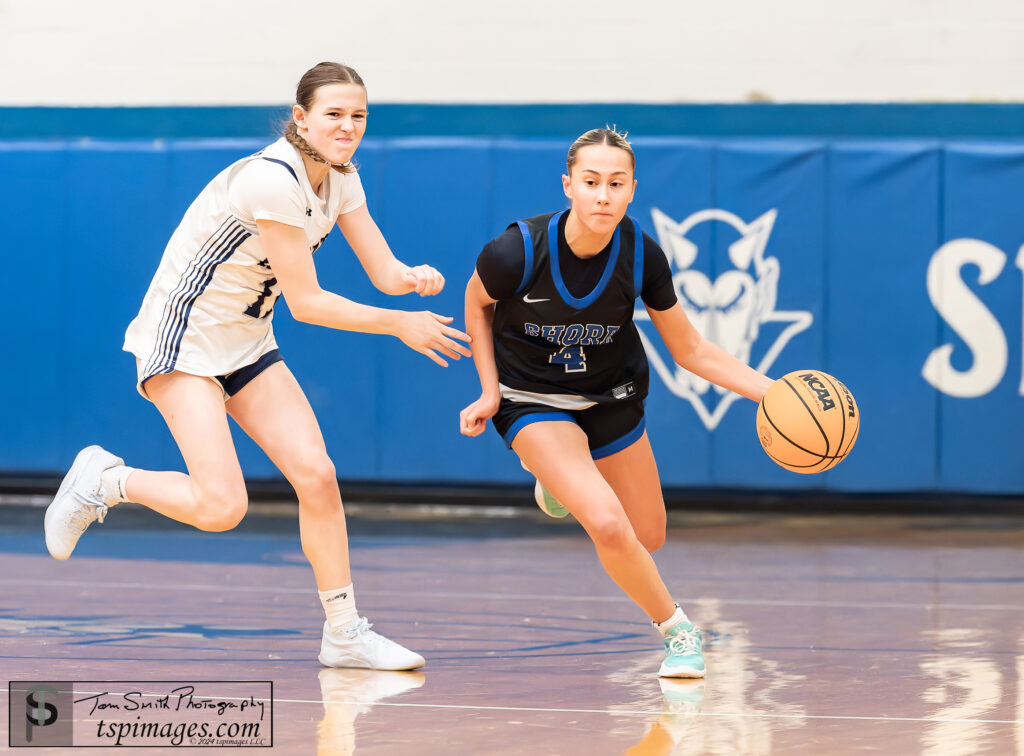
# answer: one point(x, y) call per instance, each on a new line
point(281, 162)
point(535, 417)
point(219, 247)
point(621, 443)
point(556, 273)
point(638, 258)
point(528, 259)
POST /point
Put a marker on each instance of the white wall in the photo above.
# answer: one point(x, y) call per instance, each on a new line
point(177, 52)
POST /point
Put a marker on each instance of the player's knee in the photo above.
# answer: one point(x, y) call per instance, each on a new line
point(652, 539)
point(314, 477)
point(222, 510)
point(611, 532)
point(651, 532)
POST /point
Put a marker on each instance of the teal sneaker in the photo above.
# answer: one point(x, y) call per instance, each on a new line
point(548, 503)
point(683, 654)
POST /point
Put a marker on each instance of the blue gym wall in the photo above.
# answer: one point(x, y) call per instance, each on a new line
point(858, 221)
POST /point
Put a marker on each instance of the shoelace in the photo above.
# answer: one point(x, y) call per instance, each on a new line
point(361, 626)
point(83, 515)
point(686, 642)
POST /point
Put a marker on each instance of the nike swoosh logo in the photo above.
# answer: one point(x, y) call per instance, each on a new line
point(526, 298)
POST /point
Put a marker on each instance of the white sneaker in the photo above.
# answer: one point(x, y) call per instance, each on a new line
point(358, 646)
point(79, 502)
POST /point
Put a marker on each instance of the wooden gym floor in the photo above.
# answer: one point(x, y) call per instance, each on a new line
point(824, 635)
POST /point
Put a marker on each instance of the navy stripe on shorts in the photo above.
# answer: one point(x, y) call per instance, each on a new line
point(235, 381)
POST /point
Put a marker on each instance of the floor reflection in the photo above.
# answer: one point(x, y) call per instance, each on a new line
point(965, 687)
point(347, 693)
point(1018, 709)
point(682, 702)
point(739, 680)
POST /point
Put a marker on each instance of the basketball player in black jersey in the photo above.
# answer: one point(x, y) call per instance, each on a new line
point(564, 374)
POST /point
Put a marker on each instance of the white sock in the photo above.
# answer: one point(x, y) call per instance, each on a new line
point(677, 616)
point(114, 480)
point(339, 606)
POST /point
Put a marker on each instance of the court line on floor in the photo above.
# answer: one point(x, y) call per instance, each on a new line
point(618, 712)
point(659, 712)
point(172, 586)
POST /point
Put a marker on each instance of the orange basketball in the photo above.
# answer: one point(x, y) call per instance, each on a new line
point(807, 421)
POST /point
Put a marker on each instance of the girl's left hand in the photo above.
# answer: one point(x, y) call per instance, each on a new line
point(473, 419)
point(424, 280)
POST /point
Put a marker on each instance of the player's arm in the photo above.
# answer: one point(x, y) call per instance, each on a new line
point(480, 325)
point(701, 357)
point(386, 272)
point(288, 254)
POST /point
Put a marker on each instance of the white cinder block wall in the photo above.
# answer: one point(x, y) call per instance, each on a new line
point(221, 52)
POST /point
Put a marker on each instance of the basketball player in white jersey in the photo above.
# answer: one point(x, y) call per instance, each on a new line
point(205, 348)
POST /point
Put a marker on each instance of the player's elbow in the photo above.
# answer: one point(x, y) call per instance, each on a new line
point(390, 286)
point(304, 308)
point(687, 351)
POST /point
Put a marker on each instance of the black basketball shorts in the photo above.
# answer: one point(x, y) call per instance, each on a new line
point(610, 428)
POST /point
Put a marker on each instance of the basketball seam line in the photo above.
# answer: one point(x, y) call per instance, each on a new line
point(839, 404)
point(831, 460)
point(857, 431)
point(791, 441)
point(810, 412)
point(840, 454)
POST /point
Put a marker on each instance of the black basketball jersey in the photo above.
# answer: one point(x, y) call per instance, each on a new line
point(547, 341)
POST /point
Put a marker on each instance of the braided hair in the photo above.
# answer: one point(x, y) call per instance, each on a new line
point(291, 133)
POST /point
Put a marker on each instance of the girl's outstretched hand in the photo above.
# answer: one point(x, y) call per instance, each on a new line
point(424, 280)
point(473, 419)
point(429, 334)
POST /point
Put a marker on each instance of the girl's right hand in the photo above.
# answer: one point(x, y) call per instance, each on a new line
point(425, 332)
point(473, 419)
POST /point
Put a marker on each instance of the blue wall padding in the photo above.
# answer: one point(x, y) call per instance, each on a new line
point(980, 444)
point(856, 223)
point(562, 120)
point(883, 219)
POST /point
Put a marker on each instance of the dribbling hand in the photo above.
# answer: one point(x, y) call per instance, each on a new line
point(423, 280)
point(473, 419)
point(426, 332)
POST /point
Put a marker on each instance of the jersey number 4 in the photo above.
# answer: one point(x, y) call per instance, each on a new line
point(573, 358)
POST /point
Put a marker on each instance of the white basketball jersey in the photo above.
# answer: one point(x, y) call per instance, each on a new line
point(209, 308)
